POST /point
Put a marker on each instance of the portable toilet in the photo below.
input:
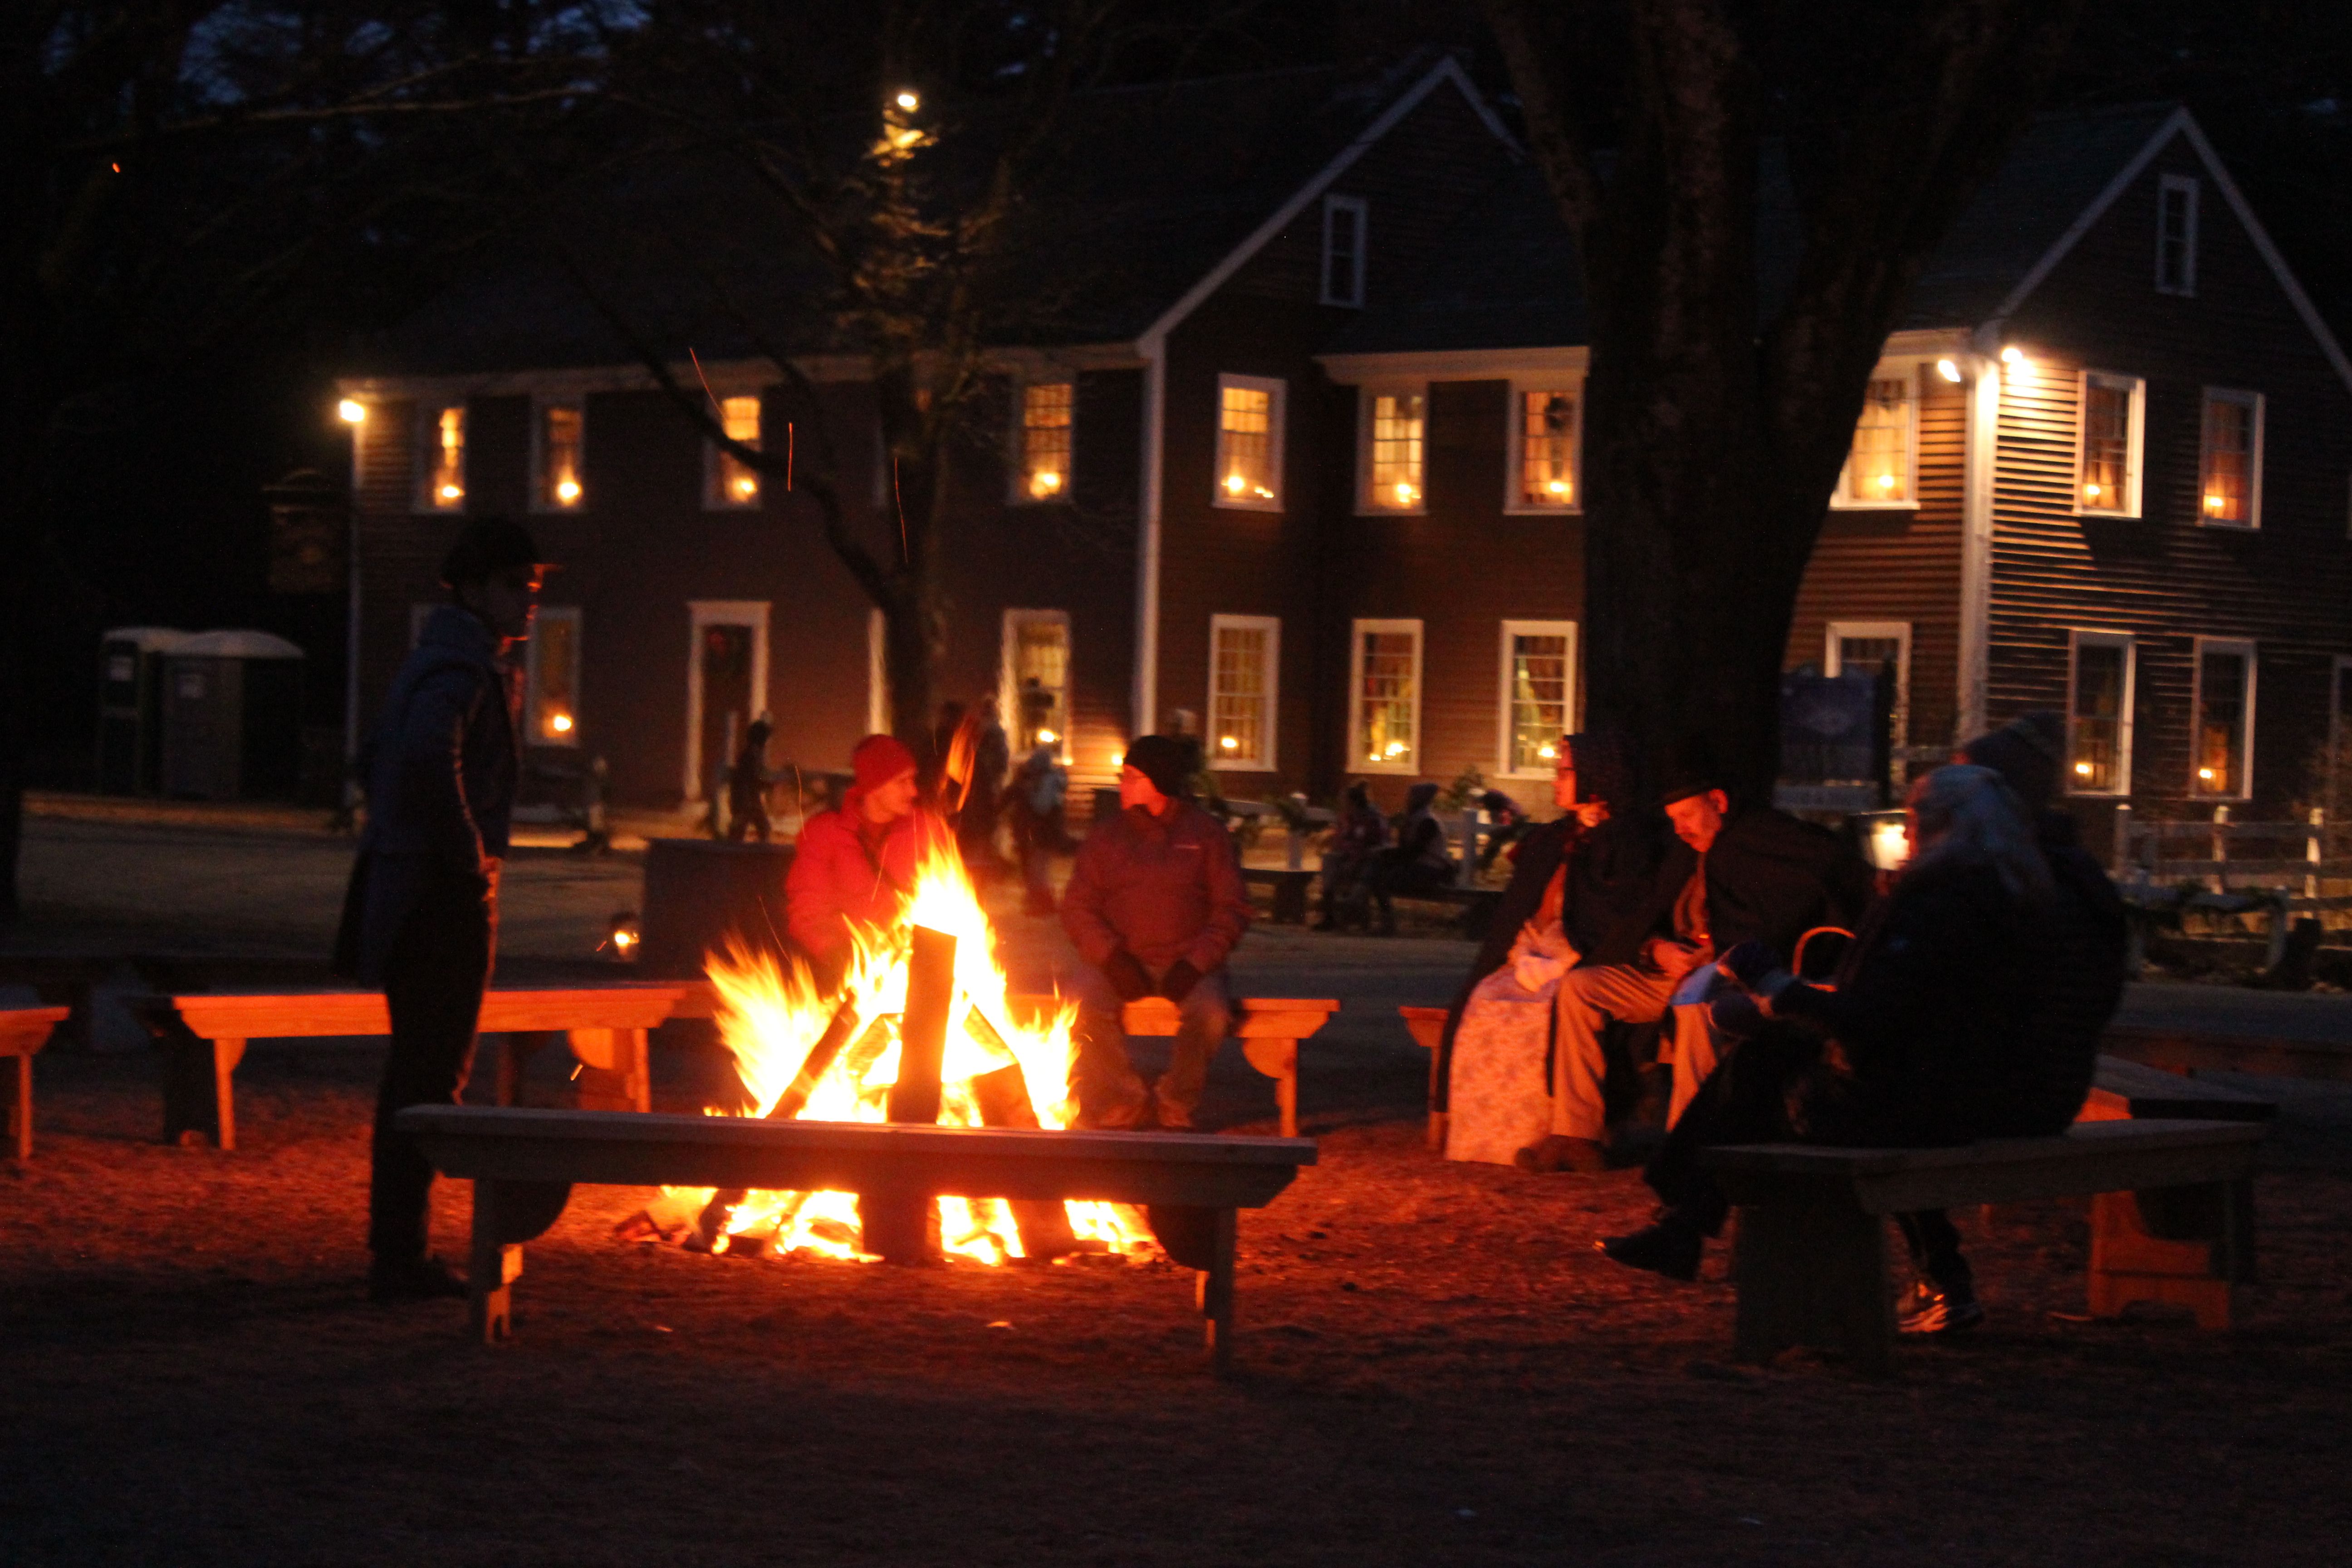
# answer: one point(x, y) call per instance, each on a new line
point(232, 717)
point(130, 707)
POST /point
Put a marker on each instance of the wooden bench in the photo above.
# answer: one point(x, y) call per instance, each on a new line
point(1269, 1028)
point(2198, 1050)
point(1427, 1026)
point(1290, 889)
point(23, 1032)
point(523, 1165)
point(604, 1025)
point(1810, 1261)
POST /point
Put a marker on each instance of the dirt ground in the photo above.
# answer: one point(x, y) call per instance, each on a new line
point(1433, 1367)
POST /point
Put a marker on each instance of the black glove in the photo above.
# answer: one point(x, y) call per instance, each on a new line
point(1179, 980)
point(1127, 976)
point(1750, 962)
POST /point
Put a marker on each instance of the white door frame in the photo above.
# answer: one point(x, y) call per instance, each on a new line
point(701, 615)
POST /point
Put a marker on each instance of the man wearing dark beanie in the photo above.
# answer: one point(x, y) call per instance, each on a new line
point(1154, 906)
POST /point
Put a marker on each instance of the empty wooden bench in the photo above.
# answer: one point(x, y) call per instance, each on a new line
point(1809, 1260)
point(524, 1162)
point(2199, 1050)
point(23, 1032)
point(604, 1025)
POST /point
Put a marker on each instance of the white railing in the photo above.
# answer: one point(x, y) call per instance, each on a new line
point(2140, 856)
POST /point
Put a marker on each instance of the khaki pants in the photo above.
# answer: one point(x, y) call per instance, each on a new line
point(1590, 1000)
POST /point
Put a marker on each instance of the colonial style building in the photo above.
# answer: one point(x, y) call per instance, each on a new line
point(1300, 473)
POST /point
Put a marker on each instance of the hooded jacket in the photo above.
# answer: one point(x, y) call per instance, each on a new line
point(1163, 888)
point(847, 870)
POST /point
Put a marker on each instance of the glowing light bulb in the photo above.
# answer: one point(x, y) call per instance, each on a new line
point(2205, 773)
point(1403, 494)
point(567, 490)
point(1264, 493)
point(1546, 752)
point(2013, 356)
point(352, 410)
point(2084, 768)
point(1948, 370)
point(451, 492)
point(1235, 484)
point(1886, 481)
point(624, 939)
point(561, 723)
point(1559, 487)
point(908, 100)
point(2091, 491)
point(1229, 743)
point(1047, 483)
point(2215, 503)
point(1047, 737)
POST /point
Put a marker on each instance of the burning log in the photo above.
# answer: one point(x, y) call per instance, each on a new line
point(897, 1225)
point(711, 1229)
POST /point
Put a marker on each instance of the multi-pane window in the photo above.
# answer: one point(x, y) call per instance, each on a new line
point(1879, 469)
point(2108, 472)
point(1037, 673)
point(733, 481)
point(2229, 463)
point(552, 677)
point(1538, 693)
point(2225, 713)
point(1343, 250)
point(443, 465)
point(2175, 235)
point(1249, 442)
point(1393, 450)
point(561, 431)
point(1384, 716)
point(1547, 433)
point(1244, 654)
point(2099, 722)
point(1046, 427)
point(1880, 648)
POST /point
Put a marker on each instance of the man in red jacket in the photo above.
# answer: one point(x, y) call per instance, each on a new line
point(856, 863)
point(1154, 906)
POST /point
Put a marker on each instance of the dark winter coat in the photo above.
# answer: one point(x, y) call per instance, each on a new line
point(1770, 878)
point(2078, 980)
point(440, 771)
point(1163, 888)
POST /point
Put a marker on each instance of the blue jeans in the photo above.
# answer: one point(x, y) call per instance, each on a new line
point(1105, 1082)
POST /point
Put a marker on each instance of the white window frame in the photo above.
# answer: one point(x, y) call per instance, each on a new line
point(2244, 648)
point(1512, 632)
point(2077, 639)
point(1515, 447)
point(714, 496)
point(701, 615)
point(1906, 371)
point(1016, 477)
point(540, 500)
point(2243, 399)
point(1008, 677)
point(1359, 213)
point(2165, 185)
point(547, 615)
point(1276, 455)
point(423, 498)
point(1366, 397)
point(1898, 632)
point(2136, 446)
point(1356, 631)
point(1263, 760)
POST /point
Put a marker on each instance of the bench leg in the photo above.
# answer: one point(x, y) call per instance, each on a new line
point(614, 1073)
point(1814, 1275)
point(199, 1093)
point(1278, 1060)
point(1214, 1291)
point(506, 1215)
point(17, 1099)
point(2182, 1245)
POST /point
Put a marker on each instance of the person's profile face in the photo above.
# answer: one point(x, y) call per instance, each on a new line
point(1563, 781)
point(1135, 788)
point(506, 601)
point(892, 800)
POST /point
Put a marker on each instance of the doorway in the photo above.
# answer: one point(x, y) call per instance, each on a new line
point(725, 686)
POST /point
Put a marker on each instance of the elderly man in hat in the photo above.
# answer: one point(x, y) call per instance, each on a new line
point(420, 917)
point(1154, 906)
point(854, 866)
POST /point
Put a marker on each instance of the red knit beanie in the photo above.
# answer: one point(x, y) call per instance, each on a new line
point(878, 759)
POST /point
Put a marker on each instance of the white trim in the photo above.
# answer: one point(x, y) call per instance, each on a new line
point(1262, 761)
point(726, 376)
point(1907, 370)
point(1979, 455)
point(877, 672)
point(1365, 397)
point(713, 497)
point(2135, 443)
point(2243, 399)
point(1276, 454)
point(1360, 210)
point(540, 504)
point(701, 615)
point(1143, 706)
point(1512, 631)
point(2077, 639)
point(424, 456)
point(1457, 364)
point(1008, 677)
point(1356, 632)
point(1900, 631)
point(2164, 185)
point(2245, 648)
point(1515, 446)
point(546, 615)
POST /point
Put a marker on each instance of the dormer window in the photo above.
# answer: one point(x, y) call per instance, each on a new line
point(1343, 251)
point(2175, 235)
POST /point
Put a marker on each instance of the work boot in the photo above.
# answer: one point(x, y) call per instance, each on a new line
point(1584, 1156)
point(1939, 1309)
point(1671, 1245)
point(413, 1280)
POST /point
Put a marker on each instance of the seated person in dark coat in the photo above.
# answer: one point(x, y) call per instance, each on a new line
point(1418, 862)
point(1908, 1045)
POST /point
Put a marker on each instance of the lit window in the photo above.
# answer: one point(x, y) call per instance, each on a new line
point(733, 481)
point(1244, 656)
point(1547, 431)
point(1343, 250)
point(2229, 463)
point(2175, 235)
point(1037, 673)
point(560, 432)
point(1392, 475)
point(551, 677)
point(2225, 713)
point(1384, 717)
point(1879, 469)
point(2107, 480)
point(443, 468)
point(1538, 693)
point(1046, 409)
point(2099, 722)
point(1249, 442)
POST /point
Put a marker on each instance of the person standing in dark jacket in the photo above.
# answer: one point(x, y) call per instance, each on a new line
point(420, 917)
point(1154, 907)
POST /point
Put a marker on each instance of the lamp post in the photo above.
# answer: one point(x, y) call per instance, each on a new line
point(354, 414)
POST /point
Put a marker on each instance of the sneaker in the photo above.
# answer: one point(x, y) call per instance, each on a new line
point(1671, 1247)
point(413, 1280)
point(1934, 1312)
point(1584, 1156)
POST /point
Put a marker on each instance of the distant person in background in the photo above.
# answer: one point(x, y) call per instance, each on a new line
point(1036, 802)
point(1506, 825)
point(1361, 832)
point(976, 823)
point(420, 917)
point(747, 786)
point(854, 866)
point(1418, 862)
